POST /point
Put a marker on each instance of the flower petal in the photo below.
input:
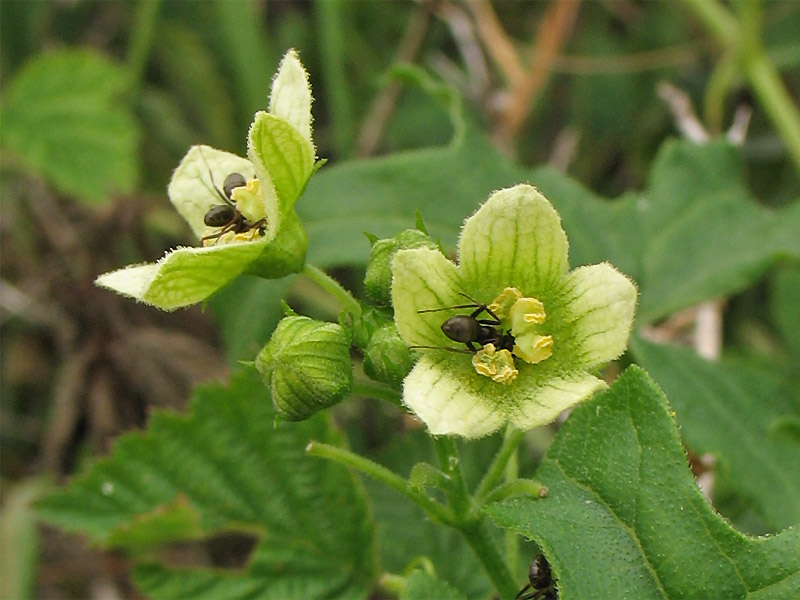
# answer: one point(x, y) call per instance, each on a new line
point(282, 157)
point(542, 403)
point(515, 239)
point(422, 279)
point(290, 98)
point(184, 276)
point(598, 303)
point(191, 189)
point(439, 392)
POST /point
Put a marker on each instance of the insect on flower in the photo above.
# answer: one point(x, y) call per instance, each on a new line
point(541, 585)
point(470, 330)
point(226, 215)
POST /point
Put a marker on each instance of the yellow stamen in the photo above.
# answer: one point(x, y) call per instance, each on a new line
point(501, 306)
point(537, 348)
point(498, 365)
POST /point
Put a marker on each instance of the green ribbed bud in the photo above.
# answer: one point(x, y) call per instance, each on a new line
point(378, 280)
point(306, 365)
point(387, 358)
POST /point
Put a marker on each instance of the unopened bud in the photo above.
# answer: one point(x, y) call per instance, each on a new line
point(378, 280)
point(387, 358)
point(306, 365)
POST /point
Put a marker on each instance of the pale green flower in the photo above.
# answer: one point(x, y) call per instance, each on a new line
point(267, 238)
point(555, 325)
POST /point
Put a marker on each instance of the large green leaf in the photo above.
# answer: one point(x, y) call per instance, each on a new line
point(447, 185)
point(694, 234)
point(706, 236)
point(63, 118)
point(625, 519)
point(227, 466)
point(734, 411)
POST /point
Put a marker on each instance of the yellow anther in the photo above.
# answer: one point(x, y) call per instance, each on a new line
point(495, 364)
point(534, 348)
point(525, 311)
point(501, 306)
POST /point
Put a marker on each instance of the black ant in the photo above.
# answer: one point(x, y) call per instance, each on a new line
point(470, 330)
point(227, 215)
point(541, 584)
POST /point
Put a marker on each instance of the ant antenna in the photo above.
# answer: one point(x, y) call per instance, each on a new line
point(474, 304)
point(211, 177)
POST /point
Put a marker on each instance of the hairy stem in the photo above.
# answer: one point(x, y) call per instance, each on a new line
point(334, 288)
point(497, 468)
point(435, 511)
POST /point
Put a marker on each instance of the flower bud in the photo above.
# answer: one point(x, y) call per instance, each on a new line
point(306, 365)
point(378, 280)
point(387, 358)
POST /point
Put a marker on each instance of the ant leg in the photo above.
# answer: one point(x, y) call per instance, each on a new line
point(449, 308)
point(215, 236)
point(459, 350)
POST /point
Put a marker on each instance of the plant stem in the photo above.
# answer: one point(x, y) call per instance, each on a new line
point(497, 468)
point(776, 101)
point(140, 40)
point(480, 540)
point(435, 511)
point(743, 38)
point(334, 288)
point(371, 390)
point(718, 19)
point(450, 464)
point(469, 522)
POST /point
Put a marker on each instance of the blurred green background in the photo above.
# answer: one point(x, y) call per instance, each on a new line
point(99, 101)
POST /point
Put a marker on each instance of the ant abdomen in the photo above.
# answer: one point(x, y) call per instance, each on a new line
point(219, 215)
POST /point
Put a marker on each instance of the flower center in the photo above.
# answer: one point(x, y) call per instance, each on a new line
point(525, 316)
point(246, 218)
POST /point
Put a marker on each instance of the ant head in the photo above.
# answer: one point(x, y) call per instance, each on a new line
point(233, 181)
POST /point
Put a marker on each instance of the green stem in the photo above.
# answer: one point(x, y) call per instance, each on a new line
point(719, 85)
point(480, 539)
point(334, 288)
point(743, 39)
point(140, 40)
point(472, 526)
point(776, 101)
point(718, 19)
point(450, 464)
point(496, 470)
point(435, 510)
point(372, 390)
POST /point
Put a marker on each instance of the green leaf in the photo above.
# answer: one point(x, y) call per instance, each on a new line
point(424, 586)
point(178, 521)
point(446, 185)
point(64, 118)
point(286, 157)
point(624, 518)
point(230, 463)
point(695, 234)
point(732, 409)
point(783, 306)
point(706, 235)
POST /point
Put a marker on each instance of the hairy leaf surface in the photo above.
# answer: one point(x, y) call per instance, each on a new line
point(625, 519)
point(228, 463)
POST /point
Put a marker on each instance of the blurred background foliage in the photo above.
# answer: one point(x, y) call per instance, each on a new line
point(100, 100)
